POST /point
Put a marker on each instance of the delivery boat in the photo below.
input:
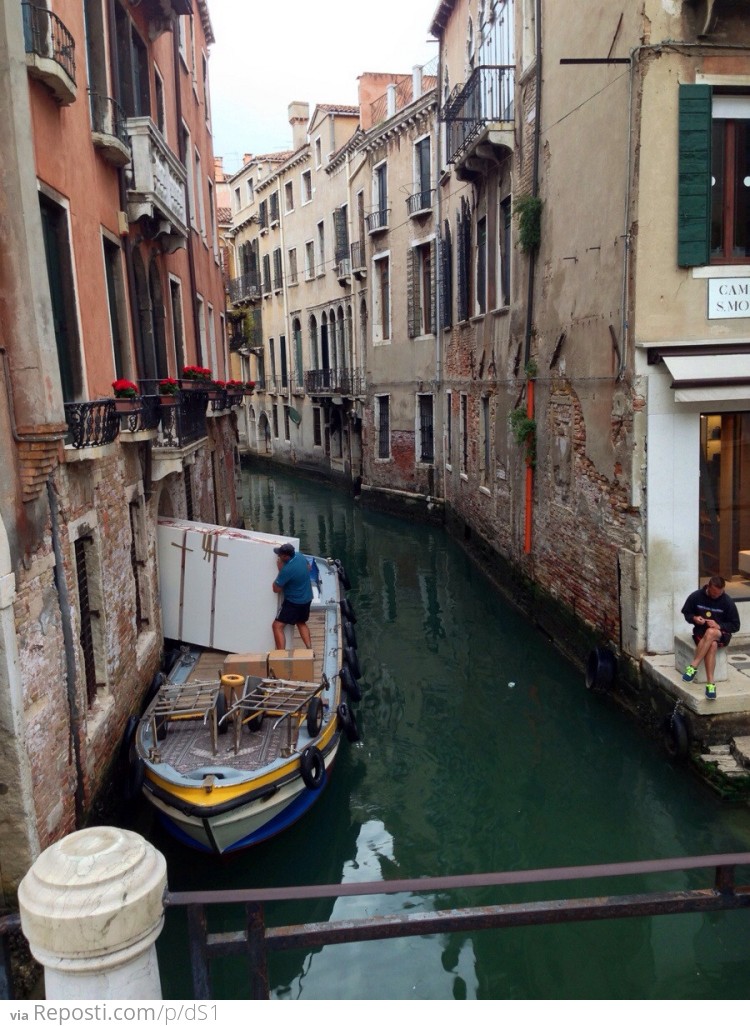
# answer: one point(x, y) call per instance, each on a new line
point(238, 739)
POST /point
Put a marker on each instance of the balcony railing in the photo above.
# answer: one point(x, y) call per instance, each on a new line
point(92, 424)
point(143, 415)
point(108, 128)
point(377, 220)
point(50, 47)
point(358, 257)
point(334, 382)
point(245, 289)
point(487, 98)
point(420, 202)
point(158, 178)
point(343, 270)
point(182, 419)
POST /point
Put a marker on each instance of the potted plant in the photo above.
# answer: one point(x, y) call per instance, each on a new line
point(126, 395)
point(249, 387)
point(169, 388)
point(235, 386)
point(199, 377)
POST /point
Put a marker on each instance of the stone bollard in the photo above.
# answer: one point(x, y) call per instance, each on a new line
point(91, 909)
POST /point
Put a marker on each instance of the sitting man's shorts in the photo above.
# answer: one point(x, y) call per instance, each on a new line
point(700, 630)
point(292, 612)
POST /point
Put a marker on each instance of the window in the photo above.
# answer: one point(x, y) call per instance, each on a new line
point(237, 200)
point(504, 238)
point(206, 91)
point(306, 186)
point(275, 416)
point(383, 426)
point(286, 423)
point(175, 296)
point(187, 159)
point(182, 39)
point(266, 274)
point(274, 203)
point(117, 306)
point(464, 429)
point(486, 440)
point(481, 290)
point(341, 239)
point(425, 432)
point(282, 353)
point(289, 196)
point(292, 276)
point(381, 327)
point(714, 167)
point(214, 362)
point(420, 290)
point(138, 560)
point(263, 214)
point(91, 613)
point(309, 261)
point(55, 232)
point(318, 153)
point(378, 219)
point(250, 191)
point(278, 280)
point(272, 351)
point(448, 430)
point(161, 117)
point(422, 175)
point(321, 247)
point(200, 310)
point(463, 261)
point(212, 218)
point(188, 480)
point(132, 67)
point(317, 435)
point(299, 379)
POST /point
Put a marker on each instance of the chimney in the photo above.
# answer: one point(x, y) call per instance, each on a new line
point(299, 115)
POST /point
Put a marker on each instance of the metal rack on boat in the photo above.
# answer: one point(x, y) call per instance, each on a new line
point(288, 701)
point(193, 700)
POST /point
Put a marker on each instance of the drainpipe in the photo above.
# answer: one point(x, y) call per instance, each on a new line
point(529, 511)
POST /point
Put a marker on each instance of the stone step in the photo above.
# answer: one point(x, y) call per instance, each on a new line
point(740, 747)
point(684, 650)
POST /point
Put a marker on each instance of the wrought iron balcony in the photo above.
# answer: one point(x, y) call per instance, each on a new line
point(245, 289)
point(92, 424)
point(157, 181)
point(334, 382)
point(50, 51)
point(420, 202)
point(480, 112)
point(142, 414)
point(343, 270)
point(182, 419)
point(108, 129)
point(377, 220)
point(359, 269)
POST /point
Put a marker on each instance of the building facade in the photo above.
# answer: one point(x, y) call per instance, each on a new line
point(110, 272)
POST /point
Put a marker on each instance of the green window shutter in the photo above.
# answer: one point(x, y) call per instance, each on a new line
point(694, 198)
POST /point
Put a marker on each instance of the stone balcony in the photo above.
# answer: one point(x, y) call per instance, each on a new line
point(156, 189)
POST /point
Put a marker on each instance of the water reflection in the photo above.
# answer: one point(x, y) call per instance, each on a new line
point(460, 772)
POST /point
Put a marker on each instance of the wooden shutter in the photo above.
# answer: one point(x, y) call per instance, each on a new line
point(694, 169)
point(412, 271)
point(446, 279)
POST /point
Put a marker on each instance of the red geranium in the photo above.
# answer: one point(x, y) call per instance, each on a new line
point(124, 389)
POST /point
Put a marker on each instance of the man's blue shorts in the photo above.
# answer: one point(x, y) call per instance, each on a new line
point(293, 612)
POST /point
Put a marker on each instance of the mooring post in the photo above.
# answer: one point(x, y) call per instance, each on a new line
point(91, 909)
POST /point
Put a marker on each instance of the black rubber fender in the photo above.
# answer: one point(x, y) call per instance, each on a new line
point(314, 716)
point(676, 736)
point(347, 610)
point(350, 637)
point(351, 660)
point(343, 575)
point(312, 768)
point(347, 722)
point(349, 684)
point(601, 666)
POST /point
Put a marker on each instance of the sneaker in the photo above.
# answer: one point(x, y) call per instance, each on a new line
point(690, 672)
point(711, 691)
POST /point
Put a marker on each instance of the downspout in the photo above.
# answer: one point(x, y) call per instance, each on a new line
point(185, 157)
point(529, 489)
point(439, 328)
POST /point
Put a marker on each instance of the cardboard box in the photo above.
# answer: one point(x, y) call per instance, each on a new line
point(247, 664)
point(292, 664)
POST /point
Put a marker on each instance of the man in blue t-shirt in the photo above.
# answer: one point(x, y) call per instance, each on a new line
point(293, 582)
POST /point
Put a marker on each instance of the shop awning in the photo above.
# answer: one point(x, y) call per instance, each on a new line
point(706, 377)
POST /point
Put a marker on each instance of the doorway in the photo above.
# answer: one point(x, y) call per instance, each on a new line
point(725, 496)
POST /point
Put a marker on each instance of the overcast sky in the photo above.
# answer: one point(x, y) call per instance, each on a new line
point(269, 53)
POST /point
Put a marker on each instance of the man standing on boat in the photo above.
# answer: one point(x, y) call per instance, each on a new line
point(293, 582)
point(714, 619)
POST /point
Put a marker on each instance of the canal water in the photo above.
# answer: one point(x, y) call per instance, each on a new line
point(481, 751)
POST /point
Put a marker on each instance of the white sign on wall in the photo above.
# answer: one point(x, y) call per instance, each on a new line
point(728, 297)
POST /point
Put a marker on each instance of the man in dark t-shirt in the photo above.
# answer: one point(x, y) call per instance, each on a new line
point(714, 619)
point(293, 582)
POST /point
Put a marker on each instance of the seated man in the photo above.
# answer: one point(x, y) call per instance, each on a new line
point(715, 619)
point(293, 582)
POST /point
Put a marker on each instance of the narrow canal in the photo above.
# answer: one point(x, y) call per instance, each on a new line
point(481, 751)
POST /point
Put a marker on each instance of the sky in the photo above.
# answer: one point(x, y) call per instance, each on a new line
point(266, 56)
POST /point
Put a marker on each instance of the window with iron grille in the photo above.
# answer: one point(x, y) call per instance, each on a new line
point(317, 435)
point(188, 477)
point(464, 434)
point(86, 636)
point(426, 429)
point(384, 427)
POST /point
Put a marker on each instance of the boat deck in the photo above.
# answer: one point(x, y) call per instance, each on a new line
point(188, 744)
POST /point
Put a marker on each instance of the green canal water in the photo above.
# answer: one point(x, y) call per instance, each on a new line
point(481, 751)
